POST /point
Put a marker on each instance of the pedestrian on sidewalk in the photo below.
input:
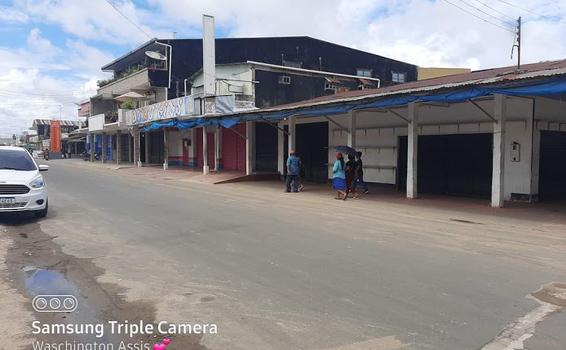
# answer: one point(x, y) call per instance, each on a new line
point(351, 176)
point(293, 172)
point(360, 173)
point(339, 177)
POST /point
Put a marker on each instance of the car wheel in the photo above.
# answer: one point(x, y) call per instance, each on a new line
point(43, 212)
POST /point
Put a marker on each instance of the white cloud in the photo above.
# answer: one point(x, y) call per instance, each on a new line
point(41, 80)
point(424, 32)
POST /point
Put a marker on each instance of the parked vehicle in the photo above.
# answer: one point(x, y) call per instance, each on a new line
point(22, 188)
point(37, 153)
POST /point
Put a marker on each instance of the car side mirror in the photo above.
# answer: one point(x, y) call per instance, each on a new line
point(43, 167)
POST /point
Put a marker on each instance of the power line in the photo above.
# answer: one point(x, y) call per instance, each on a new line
point(479, 17)
point(520, 7)
point(484, 12)
point(495, 10)
point(128, 19)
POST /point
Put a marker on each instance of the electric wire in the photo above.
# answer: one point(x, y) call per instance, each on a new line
point(508, 3)
point(128, 19)
point(495, 10)
point(479, 17)
point(485, 12)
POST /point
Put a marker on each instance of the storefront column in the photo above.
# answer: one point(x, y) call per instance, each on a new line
point(218, 149)
point(137, 149)
point(412, 151)
point(193, 149)
point(352, 129)
point(118, 146)
point(497, 180)
point(250, 154)
point(165, 151)
point(104, 145)
point(205, 167)
point(129, 147)
point(92, 144)
point(146, 144)
point(280, 150)
point(291, 136)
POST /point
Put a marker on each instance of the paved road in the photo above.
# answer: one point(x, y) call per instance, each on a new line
point(301, 271)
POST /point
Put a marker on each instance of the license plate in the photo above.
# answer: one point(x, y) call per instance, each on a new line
point(7, 200)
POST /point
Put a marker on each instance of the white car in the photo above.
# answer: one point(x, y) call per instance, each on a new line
point(22, 188)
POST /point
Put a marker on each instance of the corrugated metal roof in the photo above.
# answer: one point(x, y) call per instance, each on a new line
point(487, 76)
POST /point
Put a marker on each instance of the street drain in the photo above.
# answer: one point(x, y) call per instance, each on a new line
point(466, 221)
point(552, 293)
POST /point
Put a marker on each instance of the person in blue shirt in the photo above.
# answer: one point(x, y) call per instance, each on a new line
point(339, 177)
point(292, 182)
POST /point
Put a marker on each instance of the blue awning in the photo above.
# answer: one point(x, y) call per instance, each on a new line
point(555, 86)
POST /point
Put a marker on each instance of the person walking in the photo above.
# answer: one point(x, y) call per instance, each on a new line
point(351, 175)
point(360, 173)
point(293, 172)
point(339, 177)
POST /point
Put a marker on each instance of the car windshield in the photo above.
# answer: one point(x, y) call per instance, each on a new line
point(16, 160)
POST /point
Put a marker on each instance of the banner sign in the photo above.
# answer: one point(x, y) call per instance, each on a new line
point(177, 107)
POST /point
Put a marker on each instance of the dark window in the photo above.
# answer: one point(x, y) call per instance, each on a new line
point(363, 72)
point(398, 77)
point(284, 79)
point(16, 160)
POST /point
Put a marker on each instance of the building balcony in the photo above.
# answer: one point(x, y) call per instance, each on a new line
point(136, 81)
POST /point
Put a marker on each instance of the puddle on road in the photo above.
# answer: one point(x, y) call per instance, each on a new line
point(40, 281)
point(38, 266)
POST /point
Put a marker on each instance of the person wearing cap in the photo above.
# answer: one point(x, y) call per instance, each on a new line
point(293, 172)
point(339, 177)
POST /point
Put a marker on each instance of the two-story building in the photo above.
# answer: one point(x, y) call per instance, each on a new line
point(288, 69)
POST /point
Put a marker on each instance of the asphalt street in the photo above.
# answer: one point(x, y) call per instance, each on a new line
point(303, 271)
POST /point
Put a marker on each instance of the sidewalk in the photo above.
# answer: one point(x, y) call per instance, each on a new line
point(381, 197)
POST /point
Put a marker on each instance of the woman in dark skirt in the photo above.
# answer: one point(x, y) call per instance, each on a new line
point(351, 176)
point(339, 177)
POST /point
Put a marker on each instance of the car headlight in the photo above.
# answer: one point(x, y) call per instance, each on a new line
point(37, 182)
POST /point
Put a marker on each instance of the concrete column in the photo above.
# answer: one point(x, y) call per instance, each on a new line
point(412, 151)
point(137, 148)
point(205, 167)
point(352, 129)
point(104, 145)
point(147, 157)
point(218, 149)
point(193, 149)
point(291, 137)
point(129, 147)
point(92, 144)
point(280, 151)
point(118, 147)
point(497, 180)
point(165, 151)
point(250, 154)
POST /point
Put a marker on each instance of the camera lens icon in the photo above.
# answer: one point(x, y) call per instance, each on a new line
point(55, 303)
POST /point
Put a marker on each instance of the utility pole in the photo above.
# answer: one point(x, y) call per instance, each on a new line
point(517, 44)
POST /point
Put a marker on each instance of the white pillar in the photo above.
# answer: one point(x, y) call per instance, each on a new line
point(250, 154)
point(118, 146)
point(497, 180)
point(412, 150)
point(352, 129)
point(165, 151)
point(280, 150)
point(218, 149)
point(291, 134)
point(205, 167)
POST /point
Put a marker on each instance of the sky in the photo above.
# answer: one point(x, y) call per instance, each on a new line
point(51, 51)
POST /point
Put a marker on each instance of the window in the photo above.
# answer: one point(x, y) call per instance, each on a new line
point(330, 86)
point(284, 79)
point(398, 77)
point(363, 72)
